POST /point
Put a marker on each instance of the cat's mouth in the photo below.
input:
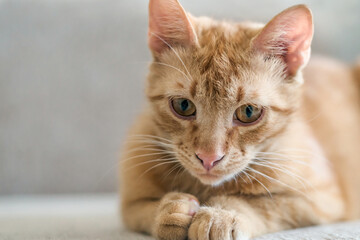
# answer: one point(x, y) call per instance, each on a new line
point(216, 178)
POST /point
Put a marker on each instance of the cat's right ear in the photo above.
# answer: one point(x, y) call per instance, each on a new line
point(169, 25)
point(288, 35)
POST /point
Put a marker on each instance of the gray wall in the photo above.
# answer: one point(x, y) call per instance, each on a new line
point(71, 81)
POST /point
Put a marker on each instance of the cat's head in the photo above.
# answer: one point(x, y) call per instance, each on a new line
point(220, 90)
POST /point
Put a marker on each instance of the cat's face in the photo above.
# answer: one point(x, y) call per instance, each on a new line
point(224, 110)
point(217, 99)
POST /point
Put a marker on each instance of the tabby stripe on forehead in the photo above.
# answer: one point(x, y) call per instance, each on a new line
point(180, 85)
point(156, 97)
point(240, 94)
point(193, 89)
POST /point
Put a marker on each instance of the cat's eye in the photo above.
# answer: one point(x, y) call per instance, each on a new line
point(183, 107)
point(248, 114)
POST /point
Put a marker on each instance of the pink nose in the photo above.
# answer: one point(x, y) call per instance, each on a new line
point(209, 160)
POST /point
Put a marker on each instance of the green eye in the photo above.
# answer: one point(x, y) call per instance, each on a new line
point(248, 114)
point(183, 107)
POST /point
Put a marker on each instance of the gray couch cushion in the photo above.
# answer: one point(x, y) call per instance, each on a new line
point(96, 218)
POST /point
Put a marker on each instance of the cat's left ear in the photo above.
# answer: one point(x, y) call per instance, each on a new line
point(288, 35)
point(169, 25)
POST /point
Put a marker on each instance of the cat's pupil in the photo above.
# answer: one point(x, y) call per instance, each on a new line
point(249, 111)
point(184, 105)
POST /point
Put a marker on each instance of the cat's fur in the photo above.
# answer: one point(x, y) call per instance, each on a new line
point(304, 154)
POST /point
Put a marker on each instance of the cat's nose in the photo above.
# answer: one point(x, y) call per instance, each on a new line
point(209, 160)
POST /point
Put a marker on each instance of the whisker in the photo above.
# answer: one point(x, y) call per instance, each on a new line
point(182, 172)
point(284, 155)
point(171, 170)
point(287, 159)
point(151, 136)
point(314, 117)
point(299, 179)
point(235, 179)
point(181, 169)
point(270, 162)
point(155, 166)
point(239, 176)
point(150, 148)
point(172, 49)
point(262, 185)
point(116, 165)
point(303, 181)
point(247, 175)
point(151, 161)
point(152, 141)
point(276, 180)
point(170, 66)
point(301, 150)
point(142, 155)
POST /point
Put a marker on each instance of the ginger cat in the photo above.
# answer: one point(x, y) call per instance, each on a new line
point(237, 139)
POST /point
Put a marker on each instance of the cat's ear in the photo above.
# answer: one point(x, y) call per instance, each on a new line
point(288, 35)
point(169, 25)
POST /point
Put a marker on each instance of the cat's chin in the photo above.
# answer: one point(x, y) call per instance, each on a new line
point(213, 179)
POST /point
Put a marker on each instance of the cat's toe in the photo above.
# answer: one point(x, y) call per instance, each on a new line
point(210, 223)
point(174, 216)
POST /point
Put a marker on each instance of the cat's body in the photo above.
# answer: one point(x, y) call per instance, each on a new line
point(300, 156)
point(331, 91)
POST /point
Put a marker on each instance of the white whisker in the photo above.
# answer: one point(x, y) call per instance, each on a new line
point(261, 184)
point(172, 49)
point(301, 150)
point(150, 148)
point(171, 170)
point(278, 181)
point(181, 169)
point(247, 175)
point(285, 158)
point(170, 66)
point(149, 141)
point(151, 161)
point(151, 136)
point(270, 162)
point(143, 155)
point(299, 179)
point(155, 166)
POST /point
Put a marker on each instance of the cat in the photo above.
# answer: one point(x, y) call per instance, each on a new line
point(238, 138)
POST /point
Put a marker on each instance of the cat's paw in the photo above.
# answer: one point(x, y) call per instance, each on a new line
point(174, 216)
point(213, 224)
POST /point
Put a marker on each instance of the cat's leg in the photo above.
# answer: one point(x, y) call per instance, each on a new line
point(146, 207)
point(168, 218)
point(146, 204)
point(235, 217)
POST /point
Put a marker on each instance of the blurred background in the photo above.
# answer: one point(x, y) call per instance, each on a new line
point(72, 74)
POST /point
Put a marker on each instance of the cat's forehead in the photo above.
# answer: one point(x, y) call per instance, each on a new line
point(217, 61)
point(222, 50)
point(221, 70)
point(225, 85)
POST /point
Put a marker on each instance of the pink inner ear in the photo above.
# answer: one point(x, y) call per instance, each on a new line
point(289, 35)
point(168, 25)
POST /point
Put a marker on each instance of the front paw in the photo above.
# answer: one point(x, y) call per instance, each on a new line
point(174, 216)
point(215, 224)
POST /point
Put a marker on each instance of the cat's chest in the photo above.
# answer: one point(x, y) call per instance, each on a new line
point(184, 182)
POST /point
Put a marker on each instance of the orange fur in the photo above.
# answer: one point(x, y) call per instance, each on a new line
point(296, 167)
